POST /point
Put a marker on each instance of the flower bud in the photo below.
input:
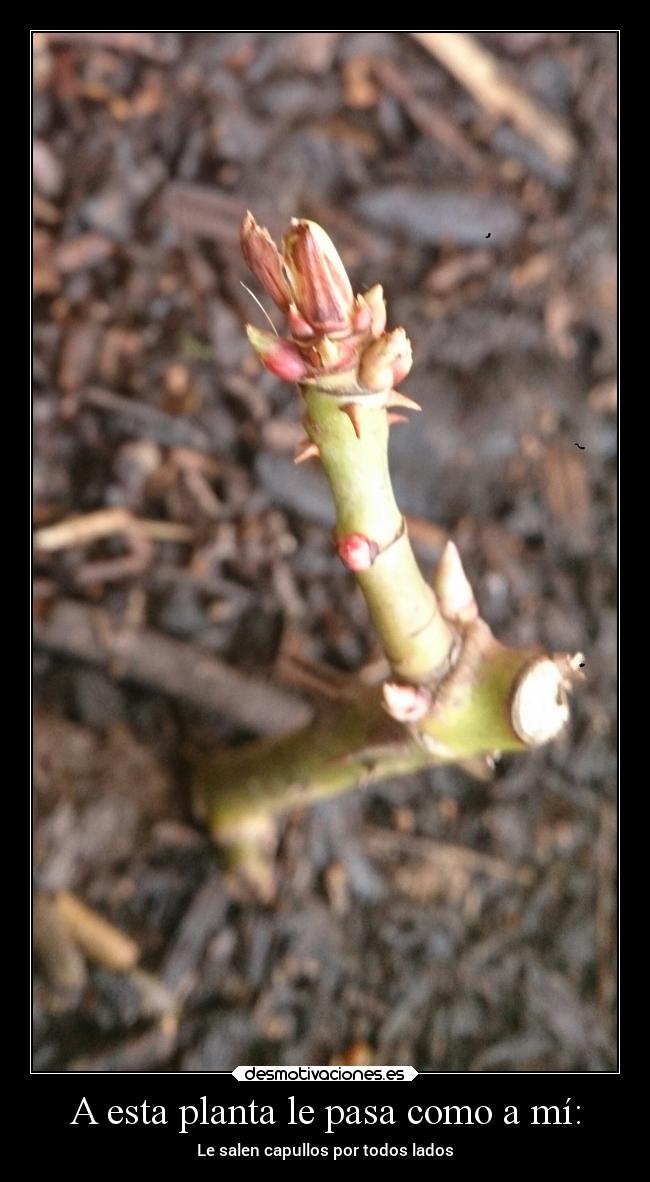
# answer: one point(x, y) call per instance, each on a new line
point(356, 551)
point(386, 361)
point(263, 259)
point(374, 298)
point(317, 278)
point(277, 355)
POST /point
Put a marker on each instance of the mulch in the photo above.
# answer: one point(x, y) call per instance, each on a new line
point(181, 560)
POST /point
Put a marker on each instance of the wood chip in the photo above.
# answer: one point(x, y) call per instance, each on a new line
point(99, 940)
point(59, 956)
point(82, 252)
point(484, 77)
point(566, 488)
point(104, 523)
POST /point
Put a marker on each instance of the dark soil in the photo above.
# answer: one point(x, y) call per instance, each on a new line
point(441, 921)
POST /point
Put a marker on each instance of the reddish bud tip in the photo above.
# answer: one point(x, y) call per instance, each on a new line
point(356, 551)
point(262, 257)
point(406, 703)
point(277, 355)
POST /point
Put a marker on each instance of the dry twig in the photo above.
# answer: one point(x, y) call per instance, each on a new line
point(180, 670)
point(478, 71)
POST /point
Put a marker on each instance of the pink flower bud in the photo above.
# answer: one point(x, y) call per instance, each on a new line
point(356, 551)
point(263, 259)
point(406, 703)
point(277, 355)
point(317, 278)
point(386, 361)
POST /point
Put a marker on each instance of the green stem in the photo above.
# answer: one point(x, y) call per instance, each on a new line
point(355, 745)
point(474, 682)
point(403, 607)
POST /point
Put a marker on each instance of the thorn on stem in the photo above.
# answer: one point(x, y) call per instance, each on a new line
point(393, 419)
point(351, 409)
point(397, 399)
point(308, 451)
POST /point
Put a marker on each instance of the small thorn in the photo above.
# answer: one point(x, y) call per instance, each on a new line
point(351, 409)
point(308, 451)
point(393, 419)
point(397, 399)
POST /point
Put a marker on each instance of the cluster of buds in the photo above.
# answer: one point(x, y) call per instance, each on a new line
point(336, 338)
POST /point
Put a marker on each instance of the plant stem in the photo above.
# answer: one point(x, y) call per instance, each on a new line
point(403, 607)
point(338, 751)
point(456, 694)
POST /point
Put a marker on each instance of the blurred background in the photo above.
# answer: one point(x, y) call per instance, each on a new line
point(439, 920)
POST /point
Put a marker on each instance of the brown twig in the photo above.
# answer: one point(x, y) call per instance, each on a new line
point(58, 953)
point(142, 420)
point(180, 670)
point(203, 211)
point(100, 941)
point(90, 527)
point(480, 73)
point(431, 122)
